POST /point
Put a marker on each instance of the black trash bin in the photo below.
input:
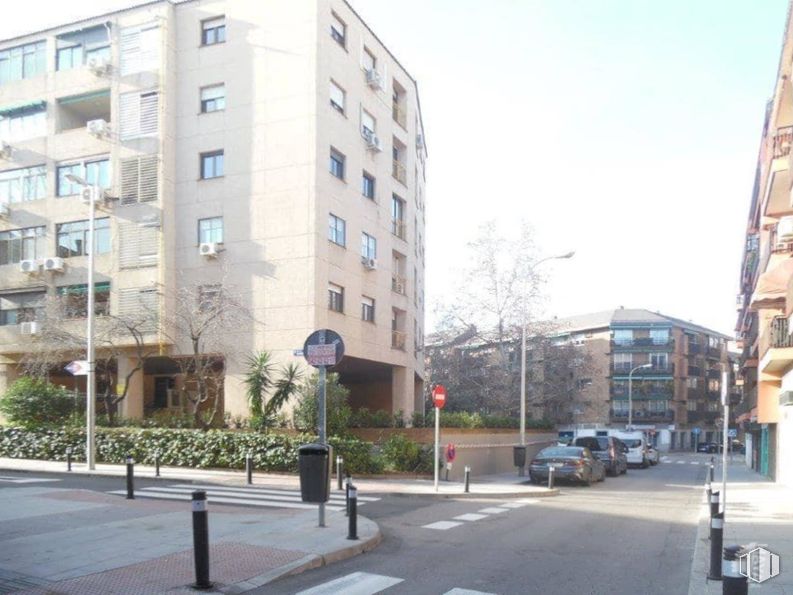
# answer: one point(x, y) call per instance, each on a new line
point(519, 456)
point(314, 479)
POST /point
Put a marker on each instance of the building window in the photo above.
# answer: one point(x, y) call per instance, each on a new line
point(335, 297)
point(23, 123)
point(397, 216)
point(213, 31)
point(22, 244)
point(337, 230)
point(337, 97)
point(210, 230)
point(17, 307)
point(367, 309)
point(657, 406)
point(93, 172)
point(73, 240)
point(714, 406)
point(211, 165)
point(23, 62)
point(337, 160)
point(338, 30)
point(78, 47)
point(21, 185)
point(74, 300)
point(659, 361)
point(623, 336)
point(368, 246)
point(623, 362)
point(659, 336)
point(692, 382)
point(691, 405)
point(368, 124)
point(210, 298)
point(213, 99)
point(367, 185)
point(620, 406)
point(714, 385)
point(368, 61)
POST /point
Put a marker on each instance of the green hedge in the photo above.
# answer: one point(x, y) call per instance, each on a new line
point(183, 448)
point(463, 419)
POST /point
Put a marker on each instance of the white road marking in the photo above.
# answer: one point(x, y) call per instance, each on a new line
point(14, 479)
point(254, 490)
point(493, 510)
point(239, 499)
point(515, 504)
point(442, 525)
point(695, 462)
point(458, 591)
point(470, 517)
point(680, 462)
point(357, 583)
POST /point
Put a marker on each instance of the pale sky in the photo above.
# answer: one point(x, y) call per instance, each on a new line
point(626, 130)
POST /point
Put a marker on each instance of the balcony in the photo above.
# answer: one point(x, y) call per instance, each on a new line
point(714, 374)
point(398, 228)
point(776, 348)
point(624, 369)
point(399, 172)
point(398, 340)
point(642, 344)
point(642, 415)
point(643, 391)
point(781, 142)
point(398, 284)
point(694, 349)
point(705, 417)
point(694, 371)
point(399, 114)
point(713, 352)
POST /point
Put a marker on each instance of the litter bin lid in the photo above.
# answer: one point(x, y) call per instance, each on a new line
point(313, 449)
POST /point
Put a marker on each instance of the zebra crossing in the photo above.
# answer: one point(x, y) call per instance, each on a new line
point(239, 496)
point(17, 479)
point(666, 459)
point(366, 583)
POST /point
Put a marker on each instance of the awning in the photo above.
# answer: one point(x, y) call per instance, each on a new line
point(22, 107)
point(84, 97)
point(772, 285)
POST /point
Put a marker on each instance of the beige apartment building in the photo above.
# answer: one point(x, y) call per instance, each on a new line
point(765, 294)
point(272, 146)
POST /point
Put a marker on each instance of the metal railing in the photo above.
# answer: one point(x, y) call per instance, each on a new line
point(782, 141)
point(399, 172)
point(660, 369)
point(776, 336)
point(398, 284)
point(399, 114)
point(398, 340)
point(398, 228)
point(647, 343)
point(644, 414)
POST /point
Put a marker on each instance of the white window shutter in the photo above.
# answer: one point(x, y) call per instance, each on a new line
point(130, 50)
point(138, 245)
point(150, 48)
point(139, 303)
point(139, 114)
point(139, 176)
point(149, 113)
point(140, 49)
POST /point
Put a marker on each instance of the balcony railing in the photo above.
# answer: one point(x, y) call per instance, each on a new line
point(782, 141)
point(398, 284)
point(399, 172)
point(777, 336)
point(654, 370)
point(694, 371)
point(643, 344)
point(694, 349)
point(398, 228)
point(398, 340)
point(714, 374)
point(641, 391)
point(644, 415)
point(399, 114)
point(713, 352)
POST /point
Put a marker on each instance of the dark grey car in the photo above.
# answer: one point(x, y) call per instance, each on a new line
point(610, 450)
point(570, 463)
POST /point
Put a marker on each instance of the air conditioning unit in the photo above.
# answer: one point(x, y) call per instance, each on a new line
point(99, 65)
point(29, 266)
point(5, 210)
point(28, 328)
point(54, 264)
point(419, 141)
point(373, 142)
point(784, 229)
point(210, 249)
point(373, 79)
point(369, 263)
point(86, 195)
point(98, 128)
point(5, 150)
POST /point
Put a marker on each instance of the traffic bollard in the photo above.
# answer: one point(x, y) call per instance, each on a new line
point(68, 458)
point(348, 483)
point(249, 467)
point(352, 532)
point(130, 478)
point(551, 472)
point(716, 540)
point(733, 582)
point(714, 504)
point(201, 540)
point(157, 464)
point(711, 471)
point(467, 479)
point(339, 472)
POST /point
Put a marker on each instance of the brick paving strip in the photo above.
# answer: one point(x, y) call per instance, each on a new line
point(231, 563)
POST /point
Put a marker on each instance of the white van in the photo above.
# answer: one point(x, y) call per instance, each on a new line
point(638, 453)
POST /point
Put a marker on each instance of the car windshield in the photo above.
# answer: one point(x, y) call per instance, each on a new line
point(635, 443)
point(557, 451)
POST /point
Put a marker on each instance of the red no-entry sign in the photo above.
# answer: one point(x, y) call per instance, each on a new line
point(439, 396)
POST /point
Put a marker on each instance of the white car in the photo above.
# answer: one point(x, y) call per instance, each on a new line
point(653, 455)
point(637, 452)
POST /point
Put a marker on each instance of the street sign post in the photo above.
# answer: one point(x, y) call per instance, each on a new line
point(438, 400)
point(322, 349)
point(78, 367)
point(695, 431)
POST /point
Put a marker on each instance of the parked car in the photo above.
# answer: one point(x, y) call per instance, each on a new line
point(708, 447)
point(610, 450)
point(738, 447)
point(571, 463)
point(653, 455)
point(637, 452)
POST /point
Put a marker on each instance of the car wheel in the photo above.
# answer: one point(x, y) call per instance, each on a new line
point(625, 470)
point(588, 481)
point(645, 463)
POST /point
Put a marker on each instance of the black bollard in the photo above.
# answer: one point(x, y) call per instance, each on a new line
point(711, 472)
point(339, 472)
point(352, 532)
point(467, 479)
point(130, 478)
point(733, 582)
point(249, 467)
point(551, 472)
point(201, 540)
point(714, 504)
point(157, 464)
point(348, 483)
point(68, 458)
point(716, 540)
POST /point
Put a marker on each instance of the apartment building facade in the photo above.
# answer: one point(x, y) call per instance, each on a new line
point(765, 294)
point(275, 147)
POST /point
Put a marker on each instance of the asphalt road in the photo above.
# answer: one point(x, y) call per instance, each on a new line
point(632, 534)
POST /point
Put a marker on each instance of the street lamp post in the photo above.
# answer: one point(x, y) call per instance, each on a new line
point(523, 355)
point(630, 393)
point(90, 410)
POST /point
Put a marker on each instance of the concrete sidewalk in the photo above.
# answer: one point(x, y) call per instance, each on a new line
point(504, 485)
point(758, 512)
